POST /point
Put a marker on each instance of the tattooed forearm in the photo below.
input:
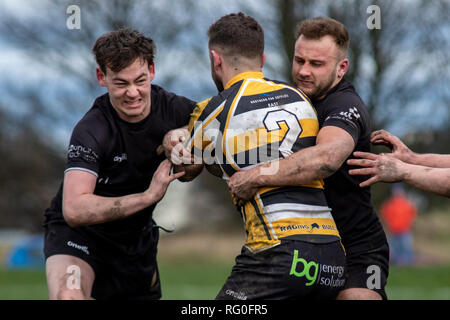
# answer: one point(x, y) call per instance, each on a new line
point(116, 211)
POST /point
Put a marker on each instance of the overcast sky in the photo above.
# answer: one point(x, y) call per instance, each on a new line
point(19, 68)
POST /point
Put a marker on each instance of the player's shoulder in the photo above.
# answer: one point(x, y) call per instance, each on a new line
point(161, 92)
point(280, 84)
point(211, 104)
point(202, 104)
point(172, 109)
point(205, 107)
point(98, 121)
point(287, 87)
point(163, 97)
point(344, 94)
point(345, 101)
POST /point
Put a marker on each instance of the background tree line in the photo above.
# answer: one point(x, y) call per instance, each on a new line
point(400, 70)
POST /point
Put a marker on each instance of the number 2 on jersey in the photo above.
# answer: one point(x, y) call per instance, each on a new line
point(285, 121)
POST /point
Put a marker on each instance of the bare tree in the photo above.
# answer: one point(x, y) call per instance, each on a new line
point(43, 36)
point(401, 70)
point(392, 67)
point(30, 173)
point(397, 68)
point(59, 99)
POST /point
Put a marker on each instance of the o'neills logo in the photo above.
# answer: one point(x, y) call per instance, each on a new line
point(238, 295)
point(77, 246)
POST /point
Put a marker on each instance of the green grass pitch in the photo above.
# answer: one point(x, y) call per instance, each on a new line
point(194, 279)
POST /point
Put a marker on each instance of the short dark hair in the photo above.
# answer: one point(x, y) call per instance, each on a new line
point(117, 50)
point(319, 27)
point(237, 34)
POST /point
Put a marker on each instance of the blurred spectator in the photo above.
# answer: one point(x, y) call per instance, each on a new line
point(399, 214)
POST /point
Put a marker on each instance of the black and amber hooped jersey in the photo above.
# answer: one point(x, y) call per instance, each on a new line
point(254, 121)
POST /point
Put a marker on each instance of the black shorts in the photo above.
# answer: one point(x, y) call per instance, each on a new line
point(368, 269)
point(119, 273)
point(292, 270)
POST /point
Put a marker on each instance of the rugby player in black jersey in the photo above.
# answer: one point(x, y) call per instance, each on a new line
point(318, 69)
point(100, 238)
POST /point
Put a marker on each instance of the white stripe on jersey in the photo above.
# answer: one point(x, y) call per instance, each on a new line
point(81, 169)
point(252, 120)
point(275, 212)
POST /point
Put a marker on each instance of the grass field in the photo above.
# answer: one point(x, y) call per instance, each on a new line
point(194, 266)
point(194, 279)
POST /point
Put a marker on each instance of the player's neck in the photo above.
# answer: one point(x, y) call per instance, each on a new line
point(230, 73)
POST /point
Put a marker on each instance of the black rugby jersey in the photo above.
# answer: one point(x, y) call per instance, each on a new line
point(351, 205)
point(254, 121)
point(122, 155)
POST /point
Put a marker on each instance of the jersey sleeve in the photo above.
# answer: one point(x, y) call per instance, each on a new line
point(184, 109)
point(180, 109)
point(348, 114)
point(197, 139)
point(84, 150)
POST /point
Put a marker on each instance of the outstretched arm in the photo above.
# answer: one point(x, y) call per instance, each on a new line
point(386, 168)
point(333, 146)
point(82, 207)
point(403, 153)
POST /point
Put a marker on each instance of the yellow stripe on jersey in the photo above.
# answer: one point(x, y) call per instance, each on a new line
point(314, 184)
point(318, 184)
point(244, 76)
point(266, 189)
point(317, 226)
point(261, 137)
point(230, 112)
point(263, 217)
point(255, 139)
point(310, 127)
point(197, 112)
point(255, 88)
point(196, 128)
point(257, 239)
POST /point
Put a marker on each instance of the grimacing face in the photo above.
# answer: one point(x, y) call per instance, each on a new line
point(317, 66)
point(129, 89)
